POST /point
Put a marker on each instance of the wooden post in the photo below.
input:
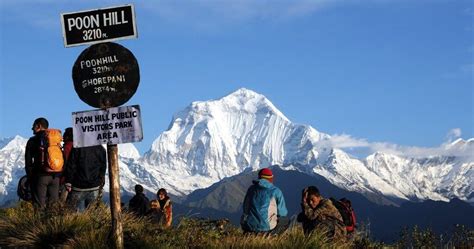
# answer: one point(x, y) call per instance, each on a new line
point(115, 205)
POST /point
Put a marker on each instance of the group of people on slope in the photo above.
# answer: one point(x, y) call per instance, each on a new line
point(160, 210)
point(83, 177)
point(80, 180)
point(264, 210)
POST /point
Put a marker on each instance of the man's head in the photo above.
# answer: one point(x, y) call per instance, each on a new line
point(313, 197)
point(266, 174)
point(138, 189)
point(40, 124)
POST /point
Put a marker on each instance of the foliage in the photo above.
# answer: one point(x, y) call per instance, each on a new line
point(459, 237)
point(24, 227)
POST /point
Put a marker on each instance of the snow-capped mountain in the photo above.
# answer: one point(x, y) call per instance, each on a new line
point(12, 161)
point(211, 140)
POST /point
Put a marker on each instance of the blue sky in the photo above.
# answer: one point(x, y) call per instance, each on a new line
point(382, 71)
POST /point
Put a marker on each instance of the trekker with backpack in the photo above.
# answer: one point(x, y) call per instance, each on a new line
point(85, 175)
point(161, 210)
point(264, 208)
point(139, 204)
point(44, 163)
point(319, 214)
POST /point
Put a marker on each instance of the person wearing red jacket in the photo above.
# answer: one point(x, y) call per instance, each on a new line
point(161, 210)
point(67, 147)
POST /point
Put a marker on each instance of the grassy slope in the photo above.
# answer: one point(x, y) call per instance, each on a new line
point(22, 227)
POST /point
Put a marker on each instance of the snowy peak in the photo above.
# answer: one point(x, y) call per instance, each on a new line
point(221, 138)
point(211, 140)
point(249, 101)
point(243, 101)
point(461, 147)
point(12, 166)
point(128, 150)
point(14, 143)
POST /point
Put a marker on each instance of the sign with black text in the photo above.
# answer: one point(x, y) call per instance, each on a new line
point(106, 75)
point(108, 126)
point(92, 26)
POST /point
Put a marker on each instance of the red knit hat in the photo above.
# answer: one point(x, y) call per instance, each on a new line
point(266, 173)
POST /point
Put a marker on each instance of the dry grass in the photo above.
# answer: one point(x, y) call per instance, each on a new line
point(22, 227)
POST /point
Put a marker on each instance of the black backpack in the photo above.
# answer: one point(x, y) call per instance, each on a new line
point(23, 190)
point(344, 206)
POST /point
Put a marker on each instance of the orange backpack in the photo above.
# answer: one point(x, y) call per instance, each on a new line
point(51, 153)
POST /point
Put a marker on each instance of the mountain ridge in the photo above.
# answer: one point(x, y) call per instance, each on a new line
point(210, 140)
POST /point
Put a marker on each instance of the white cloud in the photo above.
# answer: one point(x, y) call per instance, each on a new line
point(347, 141)
point(453, 134)
point(351, 144)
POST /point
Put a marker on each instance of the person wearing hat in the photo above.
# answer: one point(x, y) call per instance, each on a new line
point(264, 208)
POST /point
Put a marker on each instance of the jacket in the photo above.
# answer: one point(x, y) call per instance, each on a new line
point(67, 147)
point(139, 204)
point(262, 206)
point(325, 216)
point(163, 215)
point(85, 167)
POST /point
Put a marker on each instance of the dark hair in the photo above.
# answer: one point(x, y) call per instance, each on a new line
point(162, 190)
point(42, 122)
point(138, 188)
point(67, 136)
point(313, 190)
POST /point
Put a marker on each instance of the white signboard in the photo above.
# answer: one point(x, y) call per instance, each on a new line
point(109, 126)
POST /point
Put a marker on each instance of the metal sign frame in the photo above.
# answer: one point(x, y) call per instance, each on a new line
point(114, 125)
point(134, 24)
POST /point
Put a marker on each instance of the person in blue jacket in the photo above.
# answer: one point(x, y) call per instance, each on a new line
point(264, 206)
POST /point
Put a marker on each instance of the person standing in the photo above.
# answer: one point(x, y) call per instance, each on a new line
point(85, 175)
point(264, 208)
point(67, 147)
point(68, 143)
point(43, 182)
point(139, 204)
point(161, 210)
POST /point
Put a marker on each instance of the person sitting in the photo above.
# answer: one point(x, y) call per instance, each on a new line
point(161, 210)
point(139, 204)
point(264, 208)
point(319, 214)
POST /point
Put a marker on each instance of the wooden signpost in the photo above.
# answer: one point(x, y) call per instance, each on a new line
point(105, 75)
